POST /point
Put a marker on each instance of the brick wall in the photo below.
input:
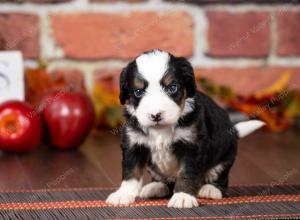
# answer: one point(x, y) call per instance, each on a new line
point(245, 44)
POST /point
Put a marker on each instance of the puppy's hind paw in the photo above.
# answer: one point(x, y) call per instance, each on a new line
point(210, 192)
point(182, 200)
point(154, 189)
point(120, 198)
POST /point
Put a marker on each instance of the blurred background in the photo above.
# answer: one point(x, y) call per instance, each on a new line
point(246, 54)
point(245, 45)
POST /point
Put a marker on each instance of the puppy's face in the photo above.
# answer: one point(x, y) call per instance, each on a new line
point(156, 85)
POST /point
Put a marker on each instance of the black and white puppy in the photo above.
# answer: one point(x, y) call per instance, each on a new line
point(181, 136)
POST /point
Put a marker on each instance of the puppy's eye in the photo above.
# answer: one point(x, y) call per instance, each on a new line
point(172, 89)
point(138, 92)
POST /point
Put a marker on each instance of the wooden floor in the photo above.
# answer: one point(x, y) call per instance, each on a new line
point(263, 158)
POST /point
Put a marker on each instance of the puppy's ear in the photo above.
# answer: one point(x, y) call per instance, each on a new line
point(124, 83)
point(124, 90)
point(188, 76)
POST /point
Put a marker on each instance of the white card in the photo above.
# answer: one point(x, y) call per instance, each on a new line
point(11, 76)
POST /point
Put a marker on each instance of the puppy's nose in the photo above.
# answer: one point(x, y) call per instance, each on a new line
point(156, 117)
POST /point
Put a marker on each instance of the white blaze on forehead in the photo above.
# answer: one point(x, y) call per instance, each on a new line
point(153, 65)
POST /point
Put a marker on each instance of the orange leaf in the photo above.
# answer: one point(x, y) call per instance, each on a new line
point(277, 87)
point(37, 84)
point(107, 105)
point(275, 121)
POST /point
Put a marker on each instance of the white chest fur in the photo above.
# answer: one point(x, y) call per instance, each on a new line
point(166, 162)
point(159, 141)
point(162, 156)
point(161, 138)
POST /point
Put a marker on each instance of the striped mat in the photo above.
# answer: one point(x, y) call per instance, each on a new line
point(243, 202)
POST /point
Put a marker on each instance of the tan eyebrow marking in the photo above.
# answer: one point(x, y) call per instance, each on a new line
point(167, 79)
point(139, 83)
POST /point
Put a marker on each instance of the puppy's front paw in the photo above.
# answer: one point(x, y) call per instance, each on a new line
point(120, 198)
point(182, 200)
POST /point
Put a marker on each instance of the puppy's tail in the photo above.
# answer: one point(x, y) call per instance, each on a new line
point(247, 127)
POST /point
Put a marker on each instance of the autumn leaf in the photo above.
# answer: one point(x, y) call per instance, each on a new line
point(37, 83)
point(277, 105)
point(277, 87)
point(263, 112)
point(109, 112)
point(292, 105)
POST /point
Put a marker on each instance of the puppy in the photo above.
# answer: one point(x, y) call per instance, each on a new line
point(179, 135)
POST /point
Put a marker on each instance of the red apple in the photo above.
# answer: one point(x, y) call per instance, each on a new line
point(69, 117)
point(20, 127)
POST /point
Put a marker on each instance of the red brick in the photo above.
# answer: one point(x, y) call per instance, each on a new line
point(245, 34)
point(20, 31)
point(288, 27)
point(122, 35)
point(251, 79)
